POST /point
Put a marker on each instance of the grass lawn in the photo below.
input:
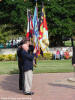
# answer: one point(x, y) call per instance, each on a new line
point(45, 66)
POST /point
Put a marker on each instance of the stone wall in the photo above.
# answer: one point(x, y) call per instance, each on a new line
point(8, 51)
point(60, 48)
point(14, 50)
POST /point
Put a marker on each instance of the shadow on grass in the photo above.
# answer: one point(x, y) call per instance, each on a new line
point(15, 71)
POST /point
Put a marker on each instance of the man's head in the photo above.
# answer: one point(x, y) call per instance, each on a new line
point(25, 45)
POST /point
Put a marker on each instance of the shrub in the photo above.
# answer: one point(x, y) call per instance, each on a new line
point(16, 56)
point(9, 57)
point(46, 56)
point(6, 58)
point(2, 57)
point(40, 57)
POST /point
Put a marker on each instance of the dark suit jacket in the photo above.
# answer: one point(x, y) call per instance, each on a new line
point(31, 49)
point(20, 61)
point(27, 60)
point(73, 58)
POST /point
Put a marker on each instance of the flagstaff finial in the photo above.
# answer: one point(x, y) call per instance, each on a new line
point(42, 3)
point(36, 2)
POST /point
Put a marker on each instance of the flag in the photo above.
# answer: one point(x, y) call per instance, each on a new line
point(29, 26)
point(43, 32)
point(35, 27)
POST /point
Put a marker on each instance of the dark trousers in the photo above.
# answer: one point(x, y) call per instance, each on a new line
point(20, 80)
point(20, 77)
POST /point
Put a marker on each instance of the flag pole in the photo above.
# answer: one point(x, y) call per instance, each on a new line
point(29, 26)
point(28, 17)
point(37, 17)
point(29, 22)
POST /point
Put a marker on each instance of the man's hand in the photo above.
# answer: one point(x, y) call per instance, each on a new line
point(73, 65)
point(34, 51)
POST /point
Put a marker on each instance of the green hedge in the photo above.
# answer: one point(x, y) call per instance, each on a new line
point(46, 56)
point(9, 57)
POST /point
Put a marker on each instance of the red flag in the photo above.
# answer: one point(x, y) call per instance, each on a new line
point(43, 33)
point(29, 27)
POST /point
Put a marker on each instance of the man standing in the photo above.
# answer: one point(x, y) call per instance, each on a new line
point(73, 59)
point(20, 66)
point(73, 62)
point(27, 67)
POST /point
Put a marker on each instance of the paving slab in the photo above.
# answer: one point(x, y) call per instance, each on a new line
point(49, 86)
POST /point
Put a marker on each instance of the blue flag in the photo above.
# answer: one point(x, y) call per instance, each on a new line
point(35, 27)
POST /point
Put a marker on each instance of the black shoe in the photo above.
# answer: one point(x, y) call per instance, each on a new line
point(28, 93)
point(20, 88)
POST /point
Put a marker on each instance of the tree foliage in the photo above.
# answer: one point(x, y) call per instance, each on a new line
point(60, 15)
point(14, 12)
point(5, 31)
point(61, 19)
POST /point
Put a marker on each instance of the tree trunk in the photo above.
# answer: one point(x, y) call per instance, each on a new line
point(56, 41)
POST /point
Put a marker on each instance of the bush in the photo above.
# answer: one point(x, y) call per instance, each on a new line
point(46, 56)
point(6, 58)
point(2, 57)
point(9, 57)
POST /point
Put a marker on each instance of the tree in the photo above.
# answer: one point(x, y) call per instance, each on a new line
point(5, 31)
point(13, 18)
point(15, 12)
point(60, 15)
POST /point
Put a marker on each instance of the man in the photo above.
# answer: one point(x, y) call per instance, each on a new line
point(73, 63)
point(27, 67)
point(61, 54)
point(20, 66)
point(73, 58)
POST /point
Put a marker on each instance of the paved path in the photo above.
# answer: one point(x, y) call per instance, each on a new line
point(52, 86)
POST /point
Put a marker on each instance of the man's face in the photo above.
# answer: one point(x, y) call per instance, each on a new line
point(28, 43)
point(26, 46)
